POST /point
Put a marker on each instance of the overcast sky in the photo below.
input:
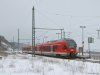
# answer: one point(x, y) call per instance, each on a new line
point(67, 14)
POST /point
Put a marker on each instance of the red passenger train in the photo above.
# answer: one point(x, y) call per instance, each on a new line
point(63, 47)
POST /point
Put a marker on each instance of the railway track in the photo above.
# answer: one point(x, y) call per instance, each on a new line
point(84, 59)
point(90, 60)
point(78, 58)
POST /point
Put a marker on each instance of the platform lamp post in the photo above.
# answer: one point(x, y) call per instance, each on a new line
point(98, 34)
point(82, 37)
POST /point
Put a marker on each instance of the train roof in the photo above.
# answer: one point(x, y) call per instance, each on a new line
point(64, 39)
point(52, 42)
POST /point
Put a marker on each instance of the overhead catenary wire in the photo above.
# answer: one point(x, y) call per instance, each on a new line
point(90, 17)
point(47, 18)
point(67, 15)
point(86, 20)
point(36, 2)
point(51, 20)
point(71, 17)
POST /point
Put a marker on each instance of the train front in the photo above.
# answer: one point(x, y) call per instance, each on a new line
point(72, 47)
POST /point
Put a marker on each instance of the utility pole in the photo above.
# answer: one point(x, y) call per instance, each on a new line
point(58, 35)
point(64, 34)
point(98, 34)
point(33, 31)
point(68, 34)
point(0, 40)
point(18, 39)
point(13, 44)
point(82, 37)
point(89, 49)
point(61, 32)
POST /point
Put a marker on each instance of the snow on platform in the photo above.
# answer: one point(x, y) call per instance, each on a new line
point(40, 65)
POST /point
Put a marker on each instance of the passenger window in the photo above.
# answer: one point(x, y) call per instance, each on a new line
point(47, 48)
point(40, 48)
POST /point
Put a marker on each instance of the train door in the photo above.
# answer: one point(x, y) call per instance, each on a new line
point(59, 48)
point(64, 48)
point(40, 50)
point(51, 48)
point(54, 48)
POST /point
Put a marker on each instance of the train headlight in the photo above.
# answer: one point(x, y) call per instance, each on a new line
point(64, 49)
point(72, 50)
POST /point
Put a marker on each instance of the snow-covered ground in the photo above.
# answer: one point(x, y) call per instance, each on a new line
point(39, 65)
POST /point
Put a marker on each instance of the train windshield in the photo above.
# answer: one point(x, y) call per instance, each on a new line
point(71, 43)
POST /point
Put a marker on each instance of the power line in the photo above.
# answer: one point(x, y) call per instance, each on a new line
point(90, 17)
point(47, 18)
point(36, 2)
point(52, 13)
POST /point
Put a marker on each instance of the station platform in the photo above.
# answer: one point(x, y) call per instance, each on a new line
point(84, 56)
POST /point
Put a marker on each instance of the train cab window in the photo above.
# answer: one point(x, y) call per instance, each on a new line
point(64, 47)
point(71, 43)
